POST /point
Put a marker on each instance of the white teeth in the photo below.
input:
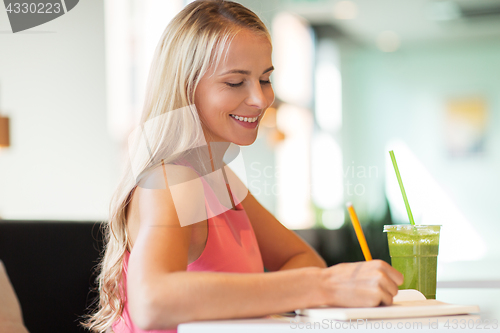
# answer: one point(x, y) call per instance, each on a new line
point(245, 119)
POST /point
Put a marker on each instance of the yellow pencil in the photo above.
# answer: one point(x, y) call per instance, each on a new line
point(359, 232)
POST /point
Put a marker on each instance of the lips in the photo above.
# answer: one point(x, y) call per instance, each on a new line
point(251, 122)
point(250, 116)
point(249, 119)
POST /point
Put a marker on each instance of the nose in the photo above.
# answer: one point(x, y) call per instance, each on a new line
point(257, 98)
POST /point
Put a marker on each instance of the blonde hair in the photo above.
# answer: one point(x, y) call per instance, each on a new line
point(194, 40)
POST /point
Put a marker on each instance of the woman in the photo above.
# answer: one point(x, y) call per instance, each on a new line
point(167, 261)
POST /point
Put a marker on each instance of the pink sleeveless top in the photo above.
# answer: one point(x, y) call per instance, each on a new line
point(231, 247)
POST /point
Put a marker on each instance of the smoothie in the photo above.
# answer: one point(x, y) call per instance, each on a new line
point(414, 251)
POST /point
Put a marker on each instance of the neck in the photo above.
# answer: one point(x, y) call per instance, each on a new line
point(216, 149)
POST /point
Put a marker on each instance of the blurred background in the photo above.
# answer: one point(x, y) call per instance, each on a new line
point(353, 80)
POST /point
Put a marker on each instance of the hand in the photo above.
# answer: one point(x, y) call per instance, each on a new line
point(360, 284)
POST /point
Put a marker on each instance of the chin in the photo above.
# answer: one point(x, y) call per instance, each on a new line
point(246, 142)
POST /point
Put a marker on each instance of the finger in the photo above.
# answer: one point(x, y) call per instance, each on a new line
point(388, 285)
point(378, 296)
point(384, 287)
point(386, 298)
point(392, 273)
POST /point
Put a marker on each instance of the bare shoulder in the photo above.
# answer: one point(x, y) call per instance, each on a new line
point(168, 195)
point(167, 175)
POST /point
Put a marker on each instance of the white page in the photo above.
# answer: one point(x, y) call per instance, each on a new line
point(408, 303)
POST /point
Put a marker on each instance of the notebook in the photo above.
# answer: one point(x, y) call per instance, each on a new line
point(407, 303)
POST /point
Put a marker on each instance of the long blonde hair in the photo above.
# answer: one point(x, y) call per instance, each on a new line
point(194, 40)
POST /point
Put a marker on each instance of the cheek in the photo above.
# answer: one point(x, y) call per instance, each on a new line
point(206, 102)
point(216, 103)
point(216, 107)
point(226, 101)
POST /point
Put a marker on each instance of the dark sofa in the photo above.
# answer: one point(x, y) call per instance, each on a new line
point(51, 265)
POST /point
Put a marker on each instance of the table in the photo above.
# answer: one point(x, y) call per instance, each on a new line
point(488, 300)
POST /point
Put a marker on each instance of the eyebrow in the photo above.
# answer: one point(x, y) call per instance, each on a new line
point(244, 72)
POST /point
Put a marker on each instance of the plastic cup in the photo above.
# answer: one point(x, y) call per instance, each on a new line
point(414, 251)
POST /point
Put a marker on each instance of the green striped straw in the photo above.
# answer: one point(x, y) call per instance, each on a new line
point(408, 210)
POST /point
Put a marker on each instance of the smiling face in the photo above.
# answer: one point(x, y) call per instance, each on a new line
point(238, 88)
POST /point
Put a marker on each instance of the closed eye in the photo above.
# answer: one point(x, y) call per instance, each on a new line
point(234, 85)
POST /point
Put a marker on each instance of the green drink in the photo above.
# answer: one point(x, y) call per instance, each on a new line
point(414, 250)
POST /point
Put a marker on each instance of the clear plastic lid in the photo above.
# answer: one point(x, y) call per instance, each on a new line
point(408, 228)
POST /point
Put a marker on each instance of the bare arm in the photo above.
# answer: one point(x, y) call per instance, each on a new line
point(208, 295)
point(162, 294)
point(280, 247)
